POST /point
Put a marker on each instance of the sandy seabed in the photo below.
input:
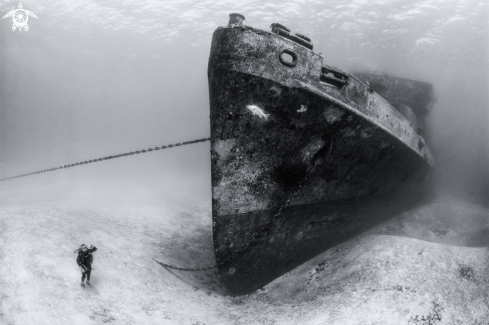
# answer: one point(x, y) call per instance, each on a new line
point(426, 266)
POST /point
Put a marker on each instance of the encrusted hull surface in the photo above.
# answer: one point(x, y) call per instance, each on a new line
point(273, 126)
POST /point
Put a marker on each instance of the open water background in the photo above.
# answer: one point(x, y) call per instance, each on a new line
point(97, 78)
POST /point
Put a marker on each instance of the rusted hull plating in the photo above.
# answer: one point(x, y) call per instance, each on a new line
point(270, 124)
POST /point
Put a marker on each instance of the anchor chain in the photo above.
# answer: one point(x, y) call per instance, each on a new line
point(255, 235)
point(108, 157)
point(184, 269)
point(227, 259)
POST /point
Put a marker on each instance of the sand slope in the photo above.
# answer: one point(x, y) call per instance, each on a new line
point(426, 266)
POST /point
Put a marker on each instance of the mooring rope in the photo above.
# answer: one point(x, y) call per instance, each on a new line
point(107, 158)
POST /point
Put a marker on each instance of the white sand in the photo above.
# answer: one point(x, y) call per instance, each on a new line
point(397, 273)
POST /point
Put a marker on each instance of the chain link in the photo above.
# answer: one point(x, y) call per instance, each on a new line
point(107, 158)
point(227, 259)
point(255, 235)
point(184, 269)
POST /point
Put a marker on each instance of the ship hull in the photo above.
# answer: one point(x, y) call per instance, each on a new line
point(298, 166)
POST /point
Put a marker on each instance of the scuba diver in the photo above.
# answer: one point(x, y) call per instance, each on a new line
point(84, 261)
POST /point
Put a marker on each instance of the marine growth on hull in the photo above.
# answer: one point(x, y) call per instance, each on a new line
point(304, 155)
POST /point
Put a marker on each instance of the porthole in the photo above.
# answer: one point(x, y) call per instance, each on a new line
point(288, 58)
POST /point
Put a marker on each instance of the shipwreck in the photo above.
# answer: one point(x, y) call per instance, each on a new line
point(304, 155)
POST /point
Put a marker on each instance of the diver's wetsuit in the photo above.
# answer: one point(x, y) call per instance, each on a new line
point(84, 260)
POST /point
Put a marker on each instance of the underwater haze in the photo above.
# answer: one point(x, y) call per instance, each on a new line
point(91, 79)
point(98, 78)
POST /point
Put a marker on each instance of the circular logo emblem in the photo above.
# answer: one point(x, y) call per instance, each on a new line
point(20, 17)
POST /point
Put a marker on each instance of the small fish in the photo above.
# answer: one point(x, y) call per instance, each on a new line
point(257, 111)
point(303, 109)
